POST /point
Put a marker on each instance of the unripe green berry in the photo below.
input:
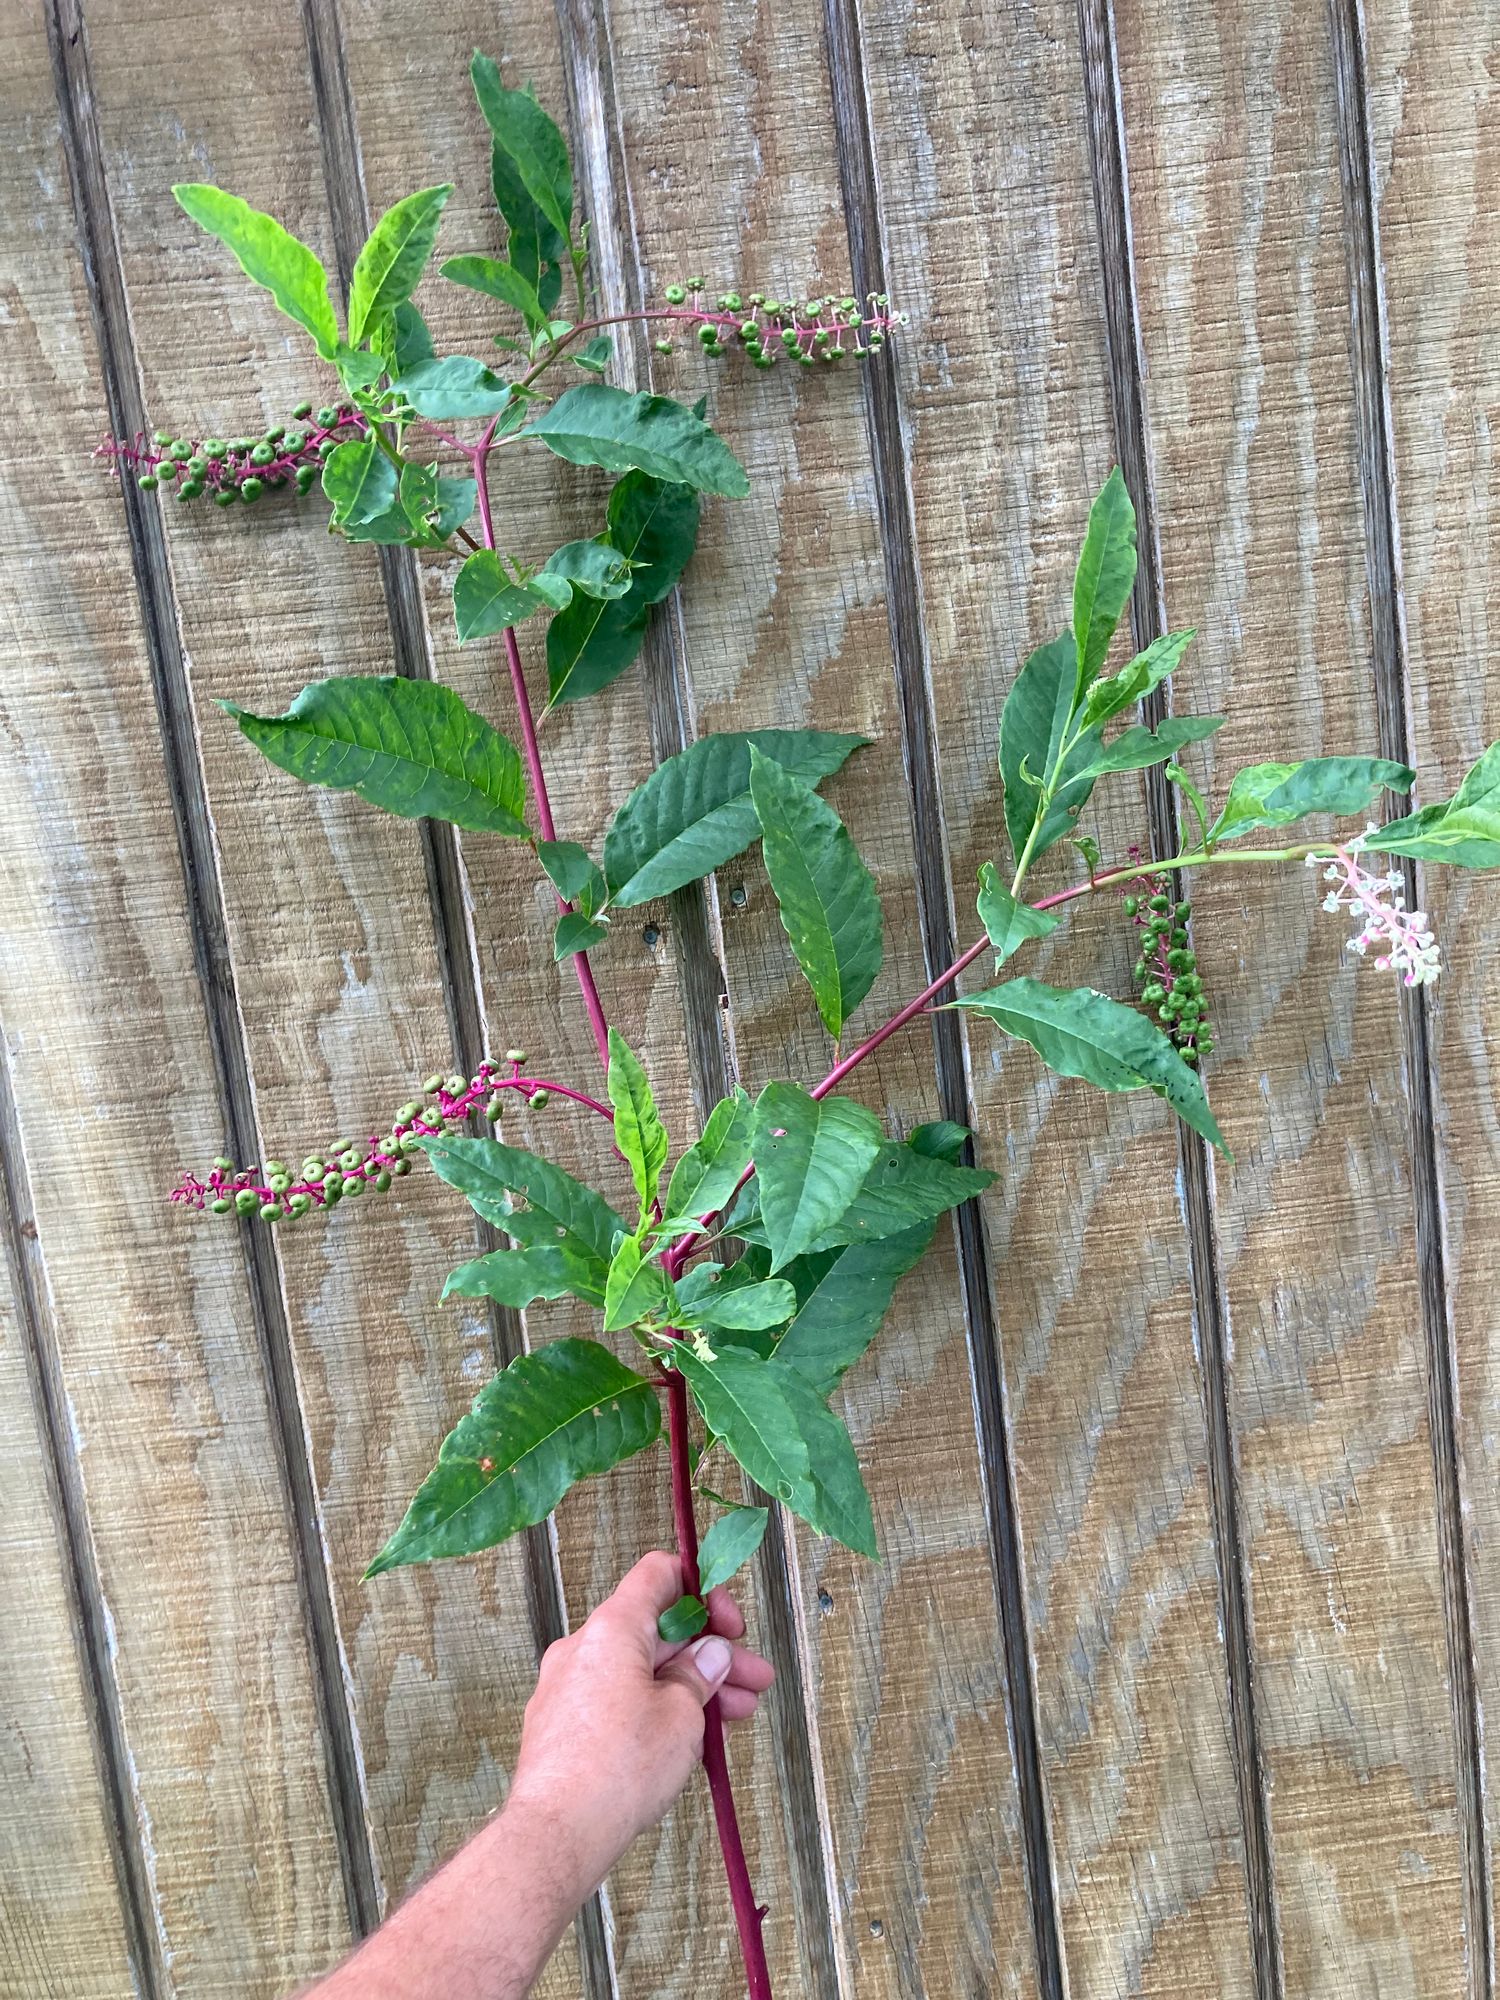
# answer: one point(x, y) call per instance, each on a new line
point(495, 1108)
point(382, 1180)
point(302, 410)
point(168, 470)
point(457, 1085)
point(305, 477)
point(411, 1142)
point(262, 455)
point(433, 1083)
point(400, 1167)
point(1190, 1057)
point(270, 1211)
point(664, 346)
point(189, 489)
point(353, 1186)
point(247, 1201)
point(327, 417)
point(696, 284)
point(226, 496)
point(350, 1158)
point(1132, 904)
point(224, 1164)
point(332, 1179)
point(675, 295)
point(707, 335)
point(148, 482)
point(1153, 993)
point(1180, 961)
point(541, 1097)
point(180, 450)
point(729, 302)
point(1138, 970)
point(251, 490)
point(1160, 903)
point(278, 1183)
point(299, 1204)
point(222, 1205)
point(313, 1168)
point(328, 447)
point(515, 1055)
point(408, 1111)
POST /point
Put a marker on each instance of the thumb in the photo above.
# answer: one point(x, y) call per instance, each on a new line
point(701, 1668)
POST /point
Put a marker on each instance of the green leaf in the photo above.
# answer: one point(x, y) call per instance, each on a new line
point(826, 895)
point(563, 1413)
point(533, 143)
point(635, 1287)
point(839, 1505)
point(573, 873)
point(539, 1271)
point(751, 1308)
point(410, 340)
point(1463, 831)
point(1079, 1032)
point(1278, 794)
point(360, 482)
point(498, 281)
point(357, 368)
point(729, 1544)
point(574, 933)
point(1136, 748)
point(596, 355)
point(594, 424)
point(682, 1621)
point(559, 1211)
point(940, 1139)
point(810, 1158)
point(394, 258)
point(903, 1186)
point(536, 247)
point(1010, 923)
point(456, 387)
point(1033, 728)
point(639, 1132)
point(695, 811)
point(592, 567)
point(709, 1171)
point(1137, 679)
point(653, 524)
point(486, 599)
point(270, 256)
point(841, 1314)
point(435, 506)
point(409, 746)
point(1104, 580)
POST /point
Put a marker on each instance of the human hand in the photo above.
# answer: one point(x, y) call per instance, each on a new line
point(616, 1724)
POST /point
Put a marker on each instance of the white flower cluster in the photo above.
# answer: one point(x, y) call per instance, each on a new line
point(1400, 937)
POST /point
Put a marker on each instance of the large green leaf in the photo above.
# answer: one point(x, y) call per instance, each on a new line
point(498, 281)
point(536, 1271)
point(652, 523)
point(709, 1171)
point(826, 895)
point(634, 1288)
point(1463, 831)
point(841, 1314)
point(594, 424)
point(1079, 1032)
point(1104, 579)
point(1278, 794)
point(729, 1544)
point(270, 256)
point(1136, 748)
point(409, 746)
point(486, 599)
point(639, 1132)
point(559, 1210)
point(1033, 728)
point(903, 1186)
point(456, 387)
point(695, 811)
point(537, 247)
point(810, 1157)
point(528, 136)
point(394, 258)
point(563, 1413)
point(752, 1308)
point(1010, 923)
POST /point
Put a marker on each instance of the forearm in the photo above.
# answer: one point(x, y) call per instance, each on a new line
point(483, 1926)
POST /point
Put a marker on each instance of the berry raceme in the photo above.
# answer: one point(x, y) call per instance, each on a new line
point(1167, 969)
point(805, 331)
point(345, 1169)
point(226, 470)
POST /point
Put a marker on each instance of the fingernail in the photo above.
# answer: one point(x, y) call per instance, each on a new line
point(712, 1657)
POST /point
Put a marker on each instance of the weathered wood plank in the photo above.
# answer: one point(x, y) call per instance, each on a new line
point(164, 1386)
point(1435, 147)
point(1244, 312)
point(341, 984)
point(788, 622)
point(993, 246)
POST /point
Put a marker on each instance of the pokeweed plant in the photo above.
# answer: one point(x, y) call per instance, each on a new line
point(738, 1282)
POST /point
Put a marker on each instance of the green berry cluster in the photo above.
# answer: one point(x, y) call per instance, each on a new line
point(240, 469)
point(806, 331)
point(1166, 971)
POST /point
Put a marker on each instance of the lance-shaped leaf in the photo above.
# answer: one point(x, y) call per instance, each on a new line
point(903, 1186)
point(1033, 728)
point(537, 1271)
point(409, 746)
point(652, 524)
point(1463, 831)
point(1136, 749)
point(1104, 579)
point(499, 281)
point(639, 1132)
point(486, 598)
point(1079, 1032)
point(842, 1311)
point(563, 1413)
point(695, 811)
point(1009, 922)
point(532, 141)
point(1278, 794)
point(729, 1544)
point(536, 247)
point(752, 1308)
point(573, 873)
point(810, 1157)
point(559, 1210)
point(270, 256)
point(394, 258)
point(456, 387)
point(826, 895)
point(1137, 678)
point(709, 1171)
point(635, 1287)
point(574, 933)
point(594, 424)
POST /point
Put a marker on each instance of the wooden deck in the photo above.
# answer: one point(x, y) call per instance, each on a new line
point(1187, 1475)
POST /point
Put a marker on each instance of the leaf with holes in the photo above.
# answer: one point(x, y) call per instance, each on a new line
point(558, 1210)
point(810, 1157)
point(594, 424)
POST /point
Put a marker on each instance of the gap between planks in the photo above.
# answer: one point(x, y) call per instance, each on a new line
point(1390, 667)
point(594, 115)
point(889, 446)
point(1110, 174)
point(184, 776)
point(453, 930)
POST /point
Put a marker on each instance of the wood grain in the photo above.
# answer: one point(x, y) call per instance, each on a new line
point(1233, 145)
